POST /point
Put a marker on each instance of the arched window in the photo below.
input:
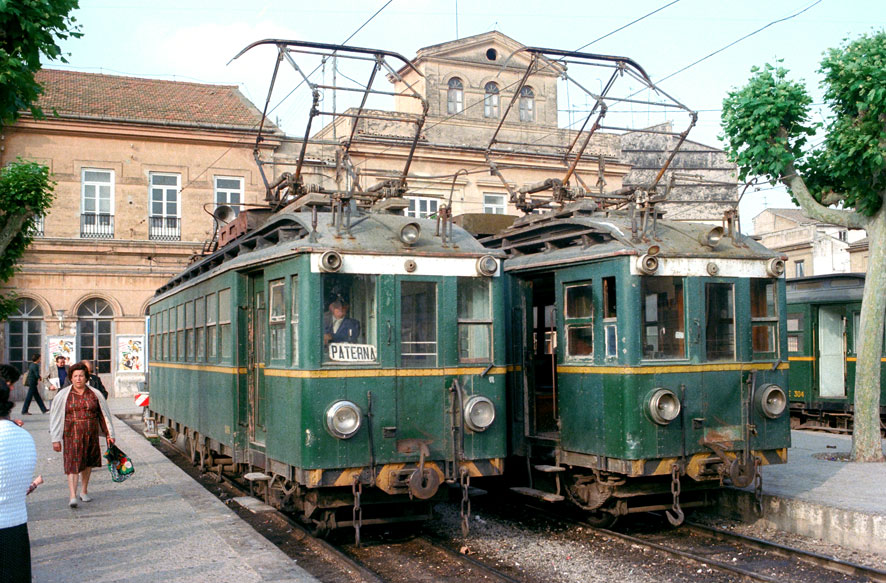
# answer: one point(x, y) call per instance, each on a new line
point(490, 102)
point(24, 333)
point(94, 318)
point(527, 104)
point(455, 97)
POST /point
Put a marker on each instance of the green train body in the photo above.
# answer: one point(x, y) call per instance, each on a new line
point(640, 360)
point(823, 313)
point(246, 368)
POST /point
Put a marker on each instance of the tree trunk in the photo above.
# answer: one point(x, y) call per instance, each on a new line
point(14, 224)
point(866, 445)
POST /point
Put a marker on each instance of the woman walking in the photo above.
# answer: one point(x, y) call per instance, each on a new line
point(79, 413)
point(18, 457)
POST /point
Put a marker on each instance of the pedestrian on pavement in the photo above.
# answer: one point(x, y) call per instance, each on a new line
point(18, 458)
point(94, 380)
point(58, 374)
point(79, 413)
point(33, 379)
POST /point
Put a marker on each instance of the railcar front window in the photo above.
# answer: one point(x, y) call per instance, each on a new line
point(349, 320)
point(664, 327)
point(474, 320)
point(719, 321)
point(579, 318)
point(418, 324)
point(764, 319)
point(277, 319)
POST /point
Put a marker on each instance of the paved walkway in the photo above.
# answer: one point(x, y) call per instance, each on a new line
point(159, 525)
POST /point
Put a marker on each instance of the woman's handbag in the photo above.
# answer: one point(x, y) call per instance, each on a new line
point(119, 464)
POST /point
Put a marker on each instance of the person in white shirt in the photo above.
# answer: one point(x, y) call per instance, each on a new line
point(18, 458)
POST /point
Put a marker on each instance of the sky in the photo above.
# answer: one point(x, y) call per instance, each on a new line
point(195, 41)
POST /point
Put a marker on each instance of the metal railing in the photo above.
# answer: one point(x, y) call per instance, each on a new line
point(96, 226)
point(164, 229)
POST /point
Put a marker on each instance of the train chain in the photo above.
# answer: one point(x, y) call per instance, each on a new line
point(465, 480)
point(677, 517)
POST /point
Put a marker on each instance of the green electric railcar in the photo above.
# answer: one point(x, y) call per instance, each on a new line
point(250, 370)
point(823, 318)
point(647, 362)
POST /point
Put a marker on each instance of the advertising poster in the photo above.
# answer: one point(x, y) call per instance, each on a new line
point(60, 346)
point(130, 353)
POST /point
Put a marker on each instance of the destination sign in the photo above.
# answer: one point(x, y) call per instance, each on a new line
point(343, 352)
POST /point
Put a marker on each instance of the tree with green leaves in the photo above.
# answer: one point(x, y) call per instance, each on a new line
point(841, 181)
point(29, 30)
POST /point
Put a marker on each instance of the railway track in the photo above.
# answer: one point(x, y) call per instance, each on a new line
point(378, 560)
point(748, 558)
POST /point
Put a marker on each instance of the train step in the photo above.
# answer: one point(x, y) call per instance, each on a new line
point(546, 496)
point(549, 469)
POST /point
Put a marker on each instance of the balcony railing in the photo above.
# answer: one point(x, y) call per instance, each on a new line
point(37, 227)
point(164, 229)
point(96, 226)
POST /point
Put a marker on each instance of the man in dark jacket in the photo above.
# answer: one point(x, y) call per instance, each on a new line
point(94, 380)
point(33, 379)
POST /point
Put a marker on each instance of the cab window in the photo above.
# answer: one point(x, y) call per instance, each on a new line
point(474, 320)
point(348, 320)
point(664, 328)
point(418, 324)
point(277, 318)
point(579, 319)
point(719, 321)
point(764, 319)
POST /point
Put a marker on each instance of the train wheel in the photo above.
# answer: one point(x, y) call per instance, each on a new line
point(323, 526)
point(600, 518)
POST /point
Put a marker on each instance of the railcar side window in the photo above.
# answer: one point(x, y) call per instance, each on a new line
point(189, 330)
point(418, 323)
point(211, 319)
point(664, 323)
point(277, 318)
point(579, 318)
point(474, 320)
point(165, 342)
point(293, 287)
point(199, 331)
point(719, 321)
point(764, 319)
point(180, 336)
point(224, 323)
point(795, 332)
point(349, 321)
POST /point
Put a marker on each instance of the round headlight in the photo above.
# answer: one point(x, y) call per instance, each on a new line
point(409, 233)
point(771, 400)
point(664, 406)
point(712, 238)
point(479, 413)
point(343, 419)
point(487, 265)
point(775, 267)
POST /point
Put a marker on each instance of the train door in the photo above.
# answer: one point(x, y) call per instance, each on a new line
point(831, 352)
point(255, 361)
point(540, 355)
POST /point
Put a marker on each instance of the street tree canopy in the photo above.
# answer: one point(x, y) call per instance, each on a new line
point(29, 30)
point(841, 181)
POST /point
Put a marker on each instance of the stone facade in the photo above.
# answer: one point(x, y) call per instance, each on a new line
point(92, 271)
point(812, 248)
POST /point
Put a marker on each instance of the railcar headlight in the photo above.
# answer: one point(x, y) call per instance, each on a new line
point(410, 233)
point(479, 413)
point(712, 237)
point(771, 400)
point(647, 264)
point(343, 419)
point(775, 267)
point(664, 406)
point(487, 265)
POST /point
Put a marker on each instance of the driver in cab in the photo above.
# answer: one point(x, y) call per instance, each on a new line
point(341, 328)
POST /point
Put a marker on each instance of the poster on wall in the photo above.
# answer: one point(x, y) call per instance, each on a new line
point(130, 353)
point(60, 346)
